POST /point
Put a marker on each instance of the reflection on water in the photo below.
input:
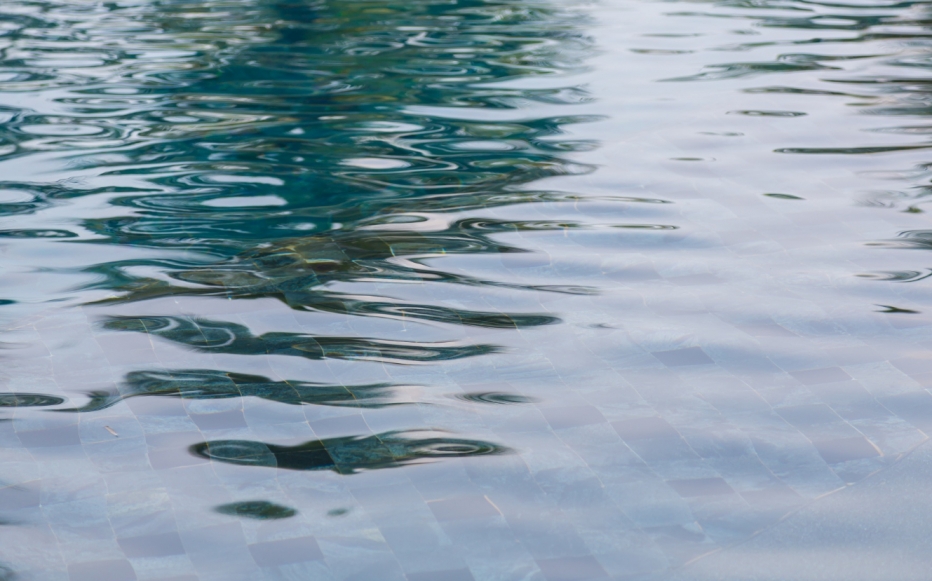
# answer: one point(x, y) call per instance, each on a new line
point(234, 339)
point(257, 509)
point(346, 455)
point(617, 286)
point(496, 398)
point(210, 384)
point(12, 400)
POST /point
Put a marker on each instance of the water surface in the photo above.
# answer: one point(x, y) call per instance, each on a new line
point(465, 290)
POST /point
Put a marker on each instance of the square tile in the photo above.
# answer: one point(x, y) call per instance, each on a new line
point(446, 575)
point(644, 429)
point(228, 420)
point(694, 487)
point(113, 570)
point(681, 357)
point(21, 496)
point(287, 551)
point(824, 375)
point(52, 437)
point(161, 545)
point(845, 449)
point(572, 569)
point(463, 507)
point(572, 416)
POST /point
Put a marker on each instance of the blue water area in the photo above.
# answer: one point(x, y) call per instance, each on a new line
point(465, 290)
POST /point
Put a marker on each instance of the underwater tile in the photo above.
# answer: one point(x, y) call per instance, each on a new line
point(525, 260)
point(114, 570)
point(208, 546)
point(776, 495)
point(913, 366)
point(349, 425)
point(421, 547)
point(159, 545)
point(765, 329)
point(396, 417)
point(914, 407)
point(572, 569)
point(228, 420)
point(283, 552)
point(52, 437)
point(121, 341)
point(452, 472)
point(644, 428)
point(546, 533)
point(572, 416)
point(445, 575)
point(807, 418)
point(121, 455)
point(680, 357)
point(156, 406)
point(856, 355)
point(387, 570)
point(845, 449)
point(463, 507)
point(694, 487)
point(168, 458)
point(20, 496)
point(923, 379)
point(824, 375)
point(655, 450)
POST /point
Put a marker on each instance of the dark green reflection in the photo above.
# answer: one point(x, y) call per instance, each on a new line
point(231, 338)
point(318, 143)
point(347, 455)
point(296, 270)
point(257, 509)
point(211, 384)
point(495, 397)
point(293, 274)
point(12, 400)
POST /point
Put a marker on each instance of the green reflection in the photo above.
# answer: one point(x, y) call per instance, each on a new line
point(210, 384)
point(257, 510)
point(303, 144)
point(234, 339)
point(347, 455)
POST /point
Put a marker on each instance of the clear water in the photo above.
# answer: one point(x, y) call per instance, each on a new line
point(451, 290)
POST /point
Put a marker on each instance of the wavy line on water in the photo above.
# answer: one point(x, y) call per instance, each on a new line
point(348, 455)
point(850, 150)
point(207, 384)
point(234, 339)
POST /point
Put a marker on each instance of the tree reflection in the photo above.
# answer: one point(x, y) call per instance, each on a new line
point(347, 455)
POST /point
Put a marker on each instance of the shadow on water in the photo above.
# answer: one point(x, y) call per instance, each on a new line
point(348, 455)
point(200, 384)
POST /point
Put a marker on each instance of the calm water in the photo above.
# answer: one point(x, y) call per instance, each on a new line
point(465, 290)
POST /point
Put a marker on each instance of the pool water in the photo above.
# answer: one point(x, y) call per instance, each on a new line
point(465, 290)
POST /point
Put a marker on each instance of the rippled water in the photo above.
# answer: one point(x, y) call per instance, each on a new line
point(465, 290)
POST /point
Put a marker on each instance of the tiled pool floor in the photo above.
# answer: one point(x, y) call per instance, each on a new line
point(464, 291)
